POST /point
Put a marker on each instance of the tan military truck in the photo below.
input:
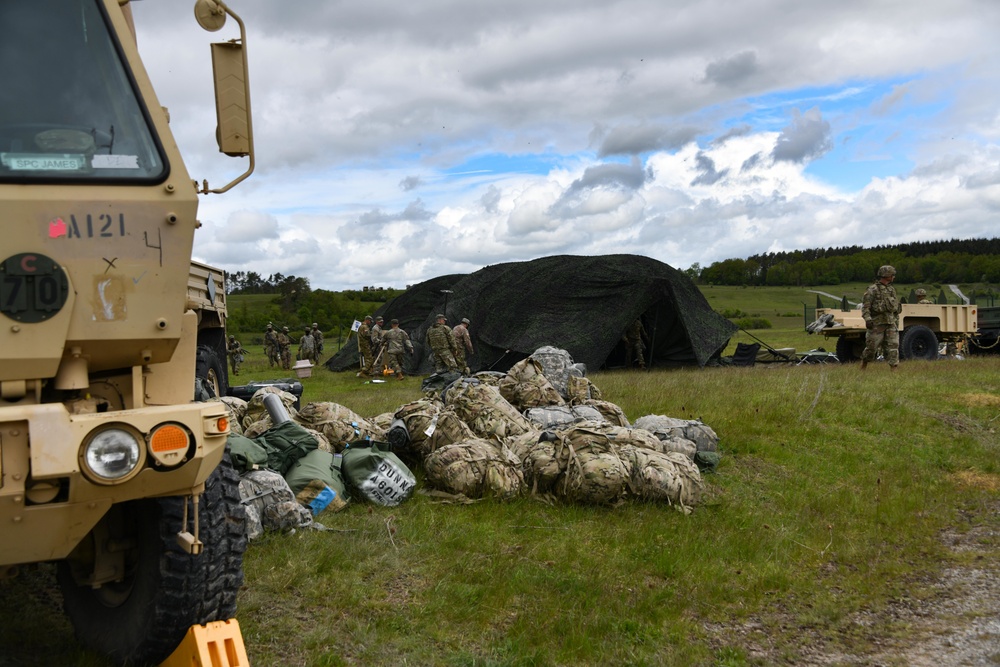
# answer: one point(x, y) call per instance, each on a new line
point(207, 298)
point(107, 466)
point(922, 329)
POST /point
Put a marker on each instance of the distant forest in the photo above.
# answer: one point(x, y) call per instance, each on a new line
point(969, 261)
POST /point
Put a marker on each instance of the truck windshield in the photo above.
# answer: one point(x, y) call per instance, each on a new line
point(68, 107)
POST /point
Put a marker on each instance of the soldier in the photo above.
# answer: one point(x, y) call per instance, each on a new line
point(377, 333)
point(307, 347)
point(635, 338)
point(396, 342)
point(365, 347)
point(464, 341)
point(922, 296)
point(318, 339)
point(271, 344)
point(284, 348)
point(236, 352)
point(880, 307)
point(441, 341)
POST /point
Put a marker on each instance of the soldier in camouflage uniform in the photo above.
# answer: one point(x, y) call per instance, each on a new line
point(365, 347)
point(236, 352)
point(396, 343)
point(922, 296)
point(464, 341)
point(318, 339)
point(635, 346)
point(284, 348)
point(307, 347)
point(377, 333)
point(441, 341)
point(880, 307)
point(271, 344)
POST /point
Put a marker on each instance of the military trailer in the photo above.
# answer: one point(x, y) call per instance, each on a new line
point(922, 329)
point(108, 468)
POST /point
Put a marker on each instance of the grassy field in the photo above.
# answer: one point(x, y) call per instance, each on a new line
point(827, 509)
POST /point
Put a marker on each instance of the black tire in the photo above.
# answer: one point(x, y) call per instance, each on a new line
point(210, 371)
point(144, 617)
point(918, 342)
point(849, 349)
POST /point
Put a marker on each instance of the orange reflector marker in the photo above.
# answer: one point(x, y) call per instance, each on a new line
point(169, 438)
point(222, 424)
point(168, 444)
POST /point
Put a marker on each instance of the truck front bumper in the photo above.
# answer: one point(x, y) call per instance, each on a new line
point(49, 500)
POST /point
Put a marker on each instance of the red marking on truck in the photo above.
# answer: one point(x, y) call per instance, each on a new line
point(57, 228)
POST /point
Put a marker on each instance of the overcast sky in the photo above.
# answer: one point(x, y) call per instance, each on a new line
point(398, 141)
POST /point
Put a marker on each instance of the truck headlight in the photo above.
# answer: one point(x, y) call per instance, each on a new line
point(112, 455)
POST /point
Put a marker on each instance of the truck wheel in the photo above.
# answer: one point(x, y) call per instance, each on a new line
point(210, 370)
point(849, 349)
point(918, 342)
point(143, 617)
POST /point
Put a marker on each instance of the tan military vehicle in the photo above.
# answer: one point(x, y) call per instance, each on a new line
point(107, 465)
point(922, 328)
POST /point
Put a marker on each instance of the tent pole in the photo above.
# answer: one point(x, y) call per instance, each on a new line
point(652, 340)
point(767, 347)
point(505, 353)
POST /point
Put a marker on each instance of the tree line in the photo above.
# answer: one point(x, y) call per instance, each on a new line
point(969, 261)
point(295, 304)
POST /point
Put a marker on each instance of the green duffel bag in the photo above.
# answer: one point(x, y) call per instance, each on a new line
point(246, 454)
point(322, 467)
point(375, 474)
point(286, 443)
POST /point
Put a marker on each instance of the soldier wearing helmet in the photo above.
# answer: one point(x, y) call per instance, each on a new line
point(880, 307)
point(921, 295)
point(284, 348)
point(235, 352)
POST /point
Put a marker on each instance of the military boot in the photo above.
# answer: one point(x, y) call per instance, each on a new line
point(864, 364)
point(400, 376)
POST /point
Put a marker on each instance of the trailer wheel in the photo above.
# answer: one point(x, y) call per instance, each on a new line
point(918, 342)
point(849, 349)
point(143, 617)
point(210, 370)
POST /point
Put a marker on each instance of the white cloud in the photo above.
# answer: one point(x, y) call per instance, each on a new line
point(365, 114)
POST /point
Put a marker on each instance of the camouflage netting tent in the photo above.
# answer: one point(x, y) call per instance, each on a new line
point(579, 304)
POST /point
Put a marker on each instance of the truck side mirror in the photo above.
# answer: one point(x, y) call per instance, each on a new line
point(232, 106)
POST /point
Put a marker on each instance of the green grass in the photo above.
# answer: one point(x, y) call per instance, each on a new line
point(833, 490)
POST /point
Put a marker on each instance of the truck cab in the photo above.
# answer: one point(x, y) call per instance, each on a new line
point(107, 466)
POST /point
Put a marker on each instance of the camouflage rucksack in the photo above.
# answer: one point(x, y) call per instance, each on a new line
point(663, 476)
point(418, 417)
point(491, 378)
point(270, 504)
point(475, 468)
point(609, 411)
point(561, 416)
point(640, 437)
point(594, 473)
point(339, 424)
point(557, 365)
point(446, 428)
point(692, 429)
point(525, 386)
point(543, 460)
point(486, 412)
